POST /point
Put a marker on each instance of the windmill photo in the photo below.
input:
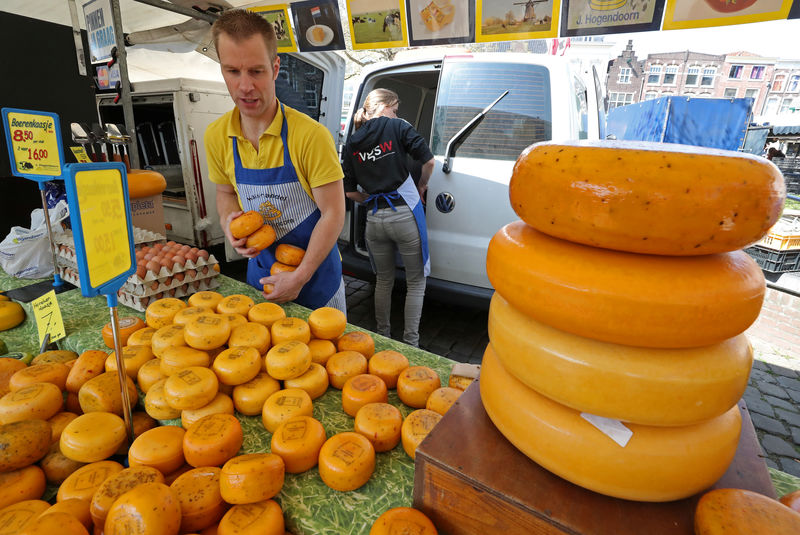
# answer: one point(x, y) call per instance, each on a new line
point(530, 14)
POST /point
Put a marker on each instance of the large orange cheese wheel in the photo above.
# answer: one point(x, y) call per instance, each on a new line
point(442, 399)
point(249, 397)
point(647, 198)
point(235, 304)
point(205, 299)
point(321, 350)
point(169, 336)
point(16, 516)
point(117, 485)
point(362, 389)
point(625, 298)
point(221, 404)
point(177, 358)
point(198, 492)
point(161, 312)
point(53, 372)
point(85, 481)
point(103, 394)
point(245, 224)
point(212, 440)
point(74, 507)
point(388, 365)
point(640, 385)
point(133, 358)
point(92, 437)
point(147, 509)
point(416, 427)
point(261, 238)
point(9, 367)
point(156, 405)
point(657, 464)
point(262, 518)
point(237, 365)
point(160, 448)
point(39, 401)
point(743, 512)
point(145, 182)
point(250, 334)
point(58, 521)
point(287, 360)
point(191, 388)
point(89, 365)
point(415, 384)
point(344, 365)
point(403, 520)
point(23, 443)
point(207, 332)
point(278, 267)
point(142, 337)
point(57, 467)
point(346, 461)
point(287, 329)
point(251, 478)
point(327, 323)
point(314, 381)
point(297, 441)
point(357, 341)
point(289, 254)
point(127, 326)
point(266, 313)
point(19, 485)
point(283, 405)
point(380, 423)
point(11, 314)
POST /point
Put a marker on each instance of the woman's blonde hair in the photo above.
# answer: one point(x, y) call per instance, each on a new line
point(376, 99)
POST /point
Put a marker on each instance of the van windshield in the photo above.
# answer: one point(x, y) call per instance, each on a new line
point(523, 117)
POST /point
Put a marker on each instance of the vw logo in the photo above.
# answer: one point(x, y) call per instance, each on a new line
point(445, 202)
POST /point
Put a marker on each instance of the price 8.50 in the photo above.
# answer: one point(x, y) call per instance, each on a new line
point(22, 135)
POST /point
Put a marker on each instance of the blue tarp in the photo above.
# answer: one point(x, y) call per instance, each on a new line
point(704, 122)
point(786, 130)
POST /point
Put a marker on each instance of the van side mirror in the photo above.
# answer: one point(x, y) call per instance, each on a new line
point(457, 140)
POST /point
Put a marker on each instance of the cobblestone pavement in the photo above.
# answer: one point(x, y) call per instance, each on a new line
point(459, 333)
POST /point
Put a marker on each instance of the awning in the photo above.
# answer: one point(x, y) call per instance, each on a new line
point(786, 130)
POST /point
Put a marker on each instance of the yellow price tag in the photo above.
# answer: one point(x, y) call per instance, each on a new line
point(48, 317)
point(105, 224)
point(34, 144)
point(80, 155)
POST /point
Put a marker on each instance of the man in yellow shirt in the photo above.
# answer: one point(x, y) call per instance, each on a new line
point(270, 158)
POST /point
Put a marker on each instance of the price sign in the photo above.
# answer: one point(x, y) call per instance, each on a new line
point(80, 154)
point(48, 317)
point(101, 223)
point(34, 143)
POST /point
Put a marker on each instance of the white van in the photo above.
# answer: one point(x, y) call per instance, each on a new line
point(467, 201)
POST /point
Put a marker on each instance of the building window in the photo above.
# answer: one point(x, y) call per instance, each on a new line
point(669, 74)
point(691, 75)
point(757, 73)
point(751, 93)
point(650, 95)
point(772, 106)
point(624, 76)
point(736, 71)
point(794, 81)
point(786, 106)
point(730, 92)
point(654, 75)
point(708, 76)
point(777, 85)
point(619, 99)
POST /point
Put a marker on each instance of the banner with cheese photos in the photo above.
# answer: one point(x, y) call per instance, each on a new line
point(278, 16)
point(440, 22)
point(377, 23)
point(510, 20)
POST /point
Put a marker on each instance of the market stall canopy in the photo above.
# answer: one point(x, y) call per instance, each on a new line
point(786, 130)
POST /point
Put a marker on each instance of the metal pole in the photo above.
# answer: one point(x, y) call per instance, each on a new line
point(122, 375)
point(76, 35)
point(56, 277)
point(125, 95)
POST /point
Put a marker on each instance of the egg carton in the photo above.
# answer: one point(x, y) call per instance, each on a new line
point(165, 273)
point(141, 302)
point(165, 284)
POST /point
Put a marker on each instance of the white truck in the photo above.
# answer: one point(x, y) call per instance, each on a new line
point(449, 102)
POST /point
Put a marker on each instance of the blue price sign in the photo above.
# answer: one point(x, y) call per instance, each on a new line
point(34, 144)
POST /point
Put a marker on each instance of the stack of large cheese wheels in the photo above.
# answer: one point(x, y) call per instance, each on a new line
point(616, 353)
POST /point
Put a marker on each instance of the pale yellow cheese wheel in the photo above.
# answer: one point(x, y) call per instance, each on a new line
point(134, 358)
point(160, 448)
point(327, 323)
point(168, 336)
point(388, 365)
point(266, 313)
point(284, 404)
point(251, 478)
point(344, 365)
point(58, 423)
point(160, 313)
point(234, 320)
point(155, 403)
point(141, 422)
point(175, 359)
point(380, 423)
point(142, 337)
point(297, 441)
point(189, 313)
point(286, 360)
point(321, 350)
point(198, 492)
point(207, 332)
point(237, 365)
point(415, 384)
point(147, 509)
point(442, 399)
point(39, 401)
point(235, 304)
point(212, 440)
point(262, 518)
point(104, 395)
point(221, 404)
point(249, 397)
point(416, 427)
point(205, 299)
point(18, 515)
point(346, 461)
point(250, 334)
point(149, 374)
point(85, 481)
point(287, 329)
point(314, 381)
point(117, 485)
point(92, 437)
point(362, 389)
point(52, 372)
point(191, 388)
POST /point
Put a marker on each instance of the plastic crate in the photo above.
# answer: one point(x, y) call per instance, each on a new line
point(784, 235)
point(775, 261)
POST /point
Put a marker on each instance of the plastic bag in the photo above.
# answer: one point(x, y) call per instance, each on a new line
point(25, 253)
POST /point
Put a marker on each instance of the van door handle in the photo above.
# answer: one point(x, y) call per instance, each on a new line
point(457, 140)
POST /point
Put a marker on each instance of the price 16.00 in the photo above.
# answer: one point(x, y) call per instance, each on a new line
point(37, 154)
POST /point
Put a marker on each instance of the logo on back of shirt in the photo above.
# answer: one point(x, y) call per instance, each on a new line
point(380, 150)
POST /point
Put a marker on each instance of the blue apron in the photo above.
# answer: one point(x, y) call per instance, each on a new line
point(409, 193)
point(278, 195)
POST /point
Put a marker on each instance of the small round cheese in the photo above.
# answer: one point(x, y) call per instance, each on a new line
point(380, 423)
point(321, 350)
point(249, 397)
point(251, 478)
point(442, 399)
point(166, 337)
point(191, 388)
point(288, 329)
point(314, 381)
point(155, 403)
point(147, 509)
point(266, 313)
point(93, 437)
point(141, 337)
point(212, 440)
point(160, 313)
point(207, 332)
point(262, 518)
point(250, 334)
point(117, 485)
point(234, 320)
point(160, 448)
point(205, 299)
point(388, 365)
point(416, 427)
point(149, 374)
point(346, 461)
point(362, 389)
point(344, 365)
point(85, 481)
point(287, 360)
point(39, 401)
point(357, 341)
point(327, 323)
point(403, 520)
point(415, 384)
point(199, 495)
point(175, 359)
point(190, 313)
point(237, 365)
point(235, 304)
point(134, 357)
point(284, 404)
point(221, 404)
point(297, 441)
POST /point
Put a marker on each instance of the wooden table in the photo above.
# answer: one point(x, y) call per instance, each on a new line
point(470, 480)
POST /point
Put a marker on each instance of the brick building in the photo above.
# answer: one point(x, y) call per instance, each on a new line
point(746, 75)
point(624, 78)
point(681, 73)
point(782, 105)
